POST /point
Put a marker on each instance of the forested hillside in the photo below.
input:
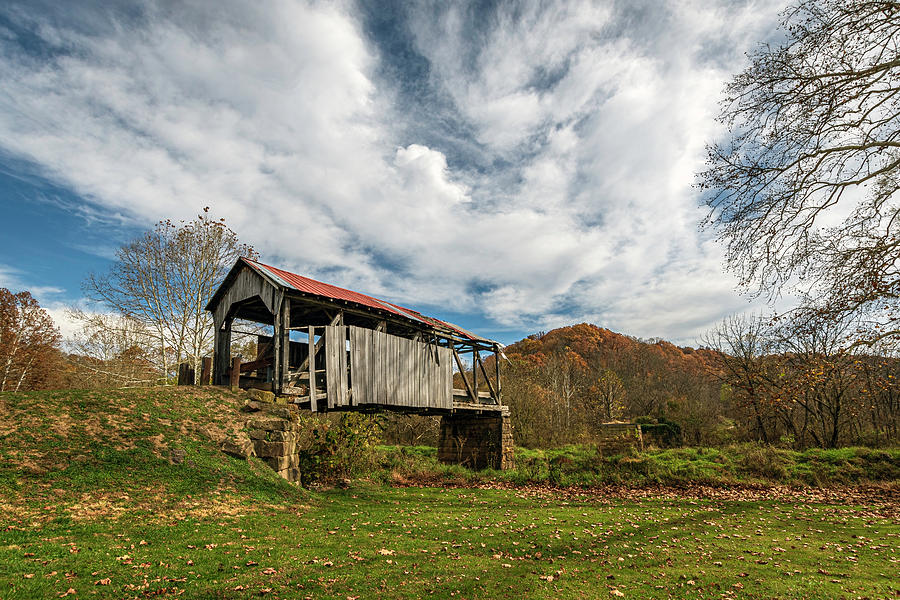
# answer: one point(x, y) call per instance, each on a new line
point(562, 384)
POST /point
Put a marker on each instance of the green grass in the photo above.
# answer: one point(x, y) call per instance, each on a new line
point(733, 465)
point(90, 501)
point(412, 543)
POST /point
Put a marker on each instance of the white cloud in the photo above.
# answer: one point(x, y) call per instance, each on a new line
point(14, 280)
point(49, 297)
point(279, 120)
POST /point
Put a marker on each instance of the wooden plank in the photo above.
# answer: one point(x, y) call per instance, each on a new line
point(357, 367)
point(474, 370)
point(497, 370)
point(411, 397)
point(205, 370)
point(367, 377)
point(313, 400)
point(344, 383)
point(336, 365)
point(222, 353)
point(423, 370)
point(434, 375)
point(332, 377)
point(246, 285)
point(447, 391)
point(381, 359)
point(235, 373)
point(283, 366)
point(391, 396)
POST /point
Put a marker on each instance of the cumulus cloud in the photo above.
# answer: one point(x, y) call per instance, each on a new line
point(558, 188)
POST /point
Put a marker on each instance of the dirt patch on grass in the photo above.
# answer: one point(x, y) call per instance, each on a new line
point(881, 499)
point(61, 424)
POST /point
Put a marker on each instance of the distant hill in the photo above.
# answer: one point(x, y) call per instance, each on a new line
point(593, 343)
point(563, 382)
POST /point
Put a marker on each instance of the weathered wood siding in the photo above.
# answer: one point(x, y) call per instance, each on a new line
point(394, 371)
point(336, 366)
point(248, 284)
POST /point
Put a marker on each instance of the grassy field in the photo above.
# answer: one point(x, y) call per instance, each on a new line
point(91, 505)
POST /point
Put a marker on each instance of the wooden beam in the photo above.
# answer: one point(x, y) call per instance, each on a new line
point(497, 369)
point(321, 341)
point(475, 369)
point(462, 372)
point(222, 353)
point(488, 380)
point(311, 361)
point(284, 340)
point(205, 370)
point(236, 373)
point(277, 330)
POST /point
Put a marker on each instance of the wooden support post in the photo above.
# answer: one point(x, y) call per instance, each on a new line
point(497, 370)
point(487, 379)
point(277, 328)
point(222, 354)
point(205, 370)
point(305, 363)
point(283, 366)
point(313, 405)
point(475, 372)
point(236, 373)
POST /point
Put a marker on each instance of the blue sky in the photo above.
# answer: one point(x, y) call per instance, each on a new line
point(512, 167)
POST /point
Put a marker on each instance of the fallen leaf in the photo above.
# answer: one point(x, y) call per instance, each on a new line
point(105, 581)
point(68, 592)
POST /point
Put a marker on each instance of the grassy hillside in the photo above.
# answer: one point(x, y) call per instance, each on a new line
point(71, 455)
point(92, 504)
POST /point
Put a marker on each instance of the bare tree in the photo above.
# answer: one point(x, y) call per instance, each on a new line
point(805, 190)
point(112, 350)
point(744, 349)
point(28, 341)
point(164, 278)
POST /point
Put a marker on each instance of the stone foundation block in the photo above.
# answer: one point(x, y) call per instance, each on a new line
point(258, 434)
point(280, 463)
point(282, 412)
point(477, 441)
point(261, 396)
point(239, 449)
point(264, 448)
point(271, 424)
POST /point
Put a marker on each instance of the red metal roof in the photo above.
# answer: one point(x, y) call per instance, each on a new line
point(326, 290)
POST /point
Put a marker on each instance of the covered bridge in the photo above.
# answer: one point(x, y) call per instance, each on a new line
point(336, 349)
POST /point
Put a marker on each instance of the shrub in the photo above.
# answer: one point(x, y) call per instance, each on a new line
point(765, 462)
point(340, 449)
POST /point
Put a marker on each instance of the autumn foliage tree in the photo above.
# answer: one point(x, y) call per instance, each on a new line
point(29, 342)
